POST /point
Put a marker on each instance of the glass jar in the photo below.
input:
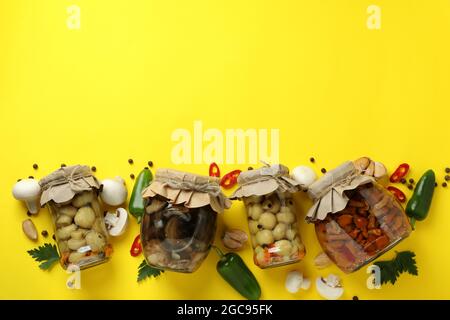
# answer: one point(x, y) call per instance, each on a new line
point(371, 223)
point(179, 225)
point(79, 227)
point(178, 238)
point(267, 194)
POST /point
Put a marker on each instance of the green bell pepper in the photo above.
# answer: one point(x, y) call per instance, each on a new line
point(137, 203)
point(420, 202)
point(233, 269)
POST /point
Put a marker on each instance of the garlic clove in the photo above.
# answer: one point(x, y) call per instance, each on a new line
point(29, 229)
point(304, 175)
point(322, 261)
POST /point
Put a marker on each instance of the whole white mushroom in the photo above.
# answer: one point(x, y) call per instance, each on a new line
point(304, 175)
point(330, 287)
point(295, 281)
point(114, 193)
point(29, 191)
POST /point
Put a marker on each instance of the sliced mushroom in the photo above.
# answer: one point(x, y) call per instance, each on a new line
point(116, 222)
point(329, 288)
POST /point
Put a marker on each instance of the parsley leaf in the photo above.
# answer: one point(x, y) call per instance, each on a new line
point(145, 271)
point(392, 269)
point(46, 253)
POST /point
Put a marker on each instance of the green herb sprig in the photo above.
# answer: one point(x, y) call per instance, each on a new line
point(145, 271)
point(46, 253)
point(403, 262)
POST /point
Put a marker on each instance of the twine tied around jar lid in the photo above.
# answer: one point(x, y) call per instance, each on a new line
point(63, 184)
point(265, 180)
point(187, 189)
point(328, 193)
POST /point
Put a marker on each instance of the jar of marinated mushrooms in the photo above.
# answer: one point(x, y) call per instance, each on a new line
point(267, 194)
point(71, 195)
point(179, 225)
point(356, 219)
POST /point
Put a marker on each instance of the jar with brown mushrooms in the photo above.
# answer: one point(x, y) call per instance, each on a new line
point(356, 219)
point(71, 194)
point(179, 225)
point(267, 194)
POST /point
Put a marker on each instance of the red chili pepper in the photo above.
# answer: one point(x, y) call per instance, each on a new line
point(214, 170)
point(399, 173)
point(136, 247)
point(230, 179)
point(397, 193)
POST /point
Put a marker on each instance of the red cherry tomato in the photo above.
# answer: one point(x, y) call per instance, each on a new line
point(214, 170)
point(397, 193)
point(230, 179)
point(136, 247)
point(399, 173)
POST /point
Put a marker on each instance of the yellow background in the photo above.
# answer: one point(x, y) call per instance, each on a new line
point(137, 70)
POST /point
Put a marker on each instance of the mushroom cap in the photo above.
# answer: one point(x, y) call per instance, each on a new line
point(304, 175)
point(294, 280)
point(26, 189)
point(119, 222)
point(114, 192)
point(326, 289)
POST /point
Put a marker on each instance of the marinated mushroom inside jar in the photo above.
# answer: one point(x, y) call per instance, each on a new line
point(371, 223)
point(177, 238)
point(273, 229)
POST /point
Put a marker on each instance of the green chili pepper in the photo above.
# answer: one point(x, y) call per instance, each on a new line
point(233, 269)
point(137, 203)
point(420, 202)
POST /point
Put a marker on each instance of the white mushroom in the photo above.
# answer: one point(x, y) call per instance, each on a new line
point(29, 191)
point(304, 175)
point(295, 281)
point(116, 222)
point(114, 192)
point(329, 288)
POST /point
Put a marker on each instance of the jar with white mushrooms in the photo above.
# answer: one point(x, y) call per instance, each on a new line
point(71, 195)
point(267, 194)
point(179, 225)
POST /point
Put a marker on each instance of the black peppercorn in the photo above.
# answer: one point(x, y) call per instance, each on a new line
point(30, 177)
point(150, 164)
point(130, 161)
point(323, 170)
point(53, 237)
point(435, 184)
point(403, 180)
point(447, 178)
point(312, 160)
point(411, 181)
point(44, 233)
point(63, 165)
point(132, 176)
point(93, 168)
point(355, 298)
point(410, 186)
point(35, 166)
point(250, 168)
point(447, 170)
point(19, 180)
point(29, 213)
point(444, 184)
